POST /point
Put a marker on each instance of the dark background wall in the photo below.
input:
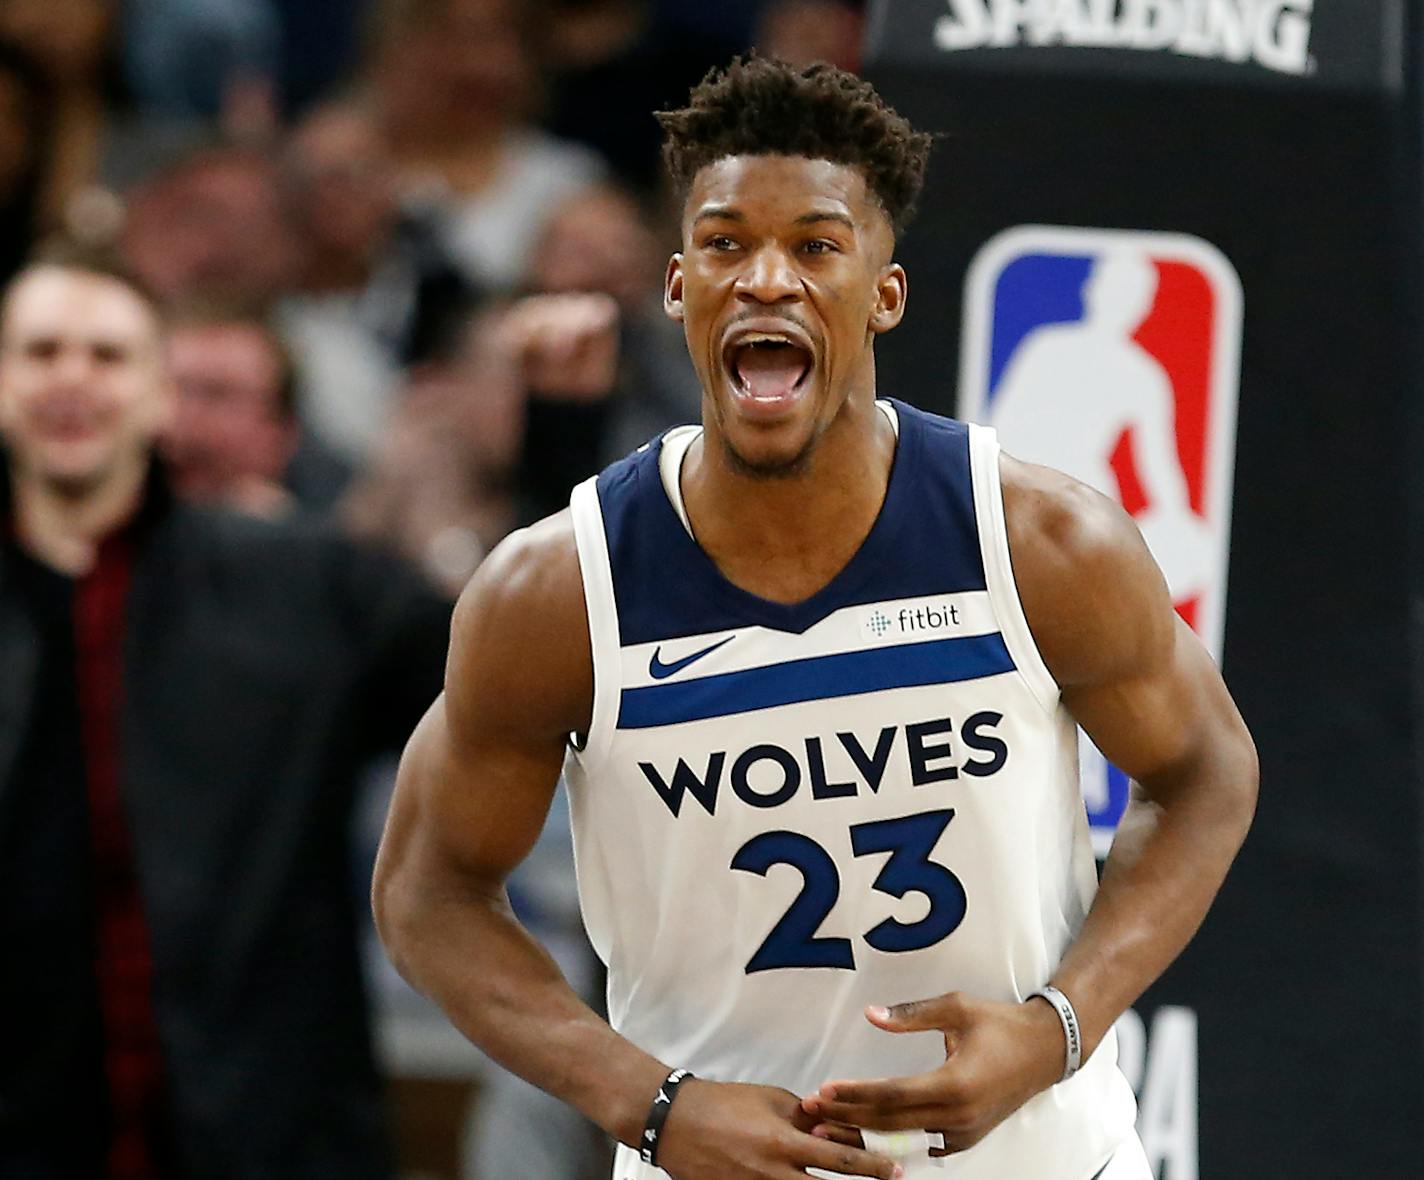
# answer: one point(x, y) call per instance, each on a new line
point(1307, 978)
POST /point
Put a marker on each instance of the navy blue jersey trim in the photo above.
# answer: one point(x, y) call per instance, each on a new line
point(923, 542)
point(818, 678)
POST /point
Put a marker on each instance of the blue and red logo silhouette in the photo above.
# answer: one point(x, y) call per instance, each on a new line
point(1114, 356)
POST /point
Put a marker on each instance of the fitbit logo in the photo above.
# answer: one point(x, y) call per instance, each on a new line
point(1272, 33)
point(912, 618)
point(927, 618)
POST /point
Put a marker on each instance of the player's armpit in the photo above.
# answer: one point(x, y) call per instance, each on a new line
point(1144, 689)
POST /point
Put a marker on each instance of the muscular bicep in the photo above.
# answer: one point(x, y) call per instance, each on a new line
point(466, 807)
point(1159, 719)
point(1131, 672)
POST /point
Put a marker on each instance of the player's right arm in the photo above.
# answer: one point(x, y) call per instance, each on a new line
point(472, 794)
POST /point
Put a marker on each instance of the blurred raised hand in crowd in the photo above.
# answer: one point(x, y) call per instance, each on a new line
point(606, 241)
point(490, 436)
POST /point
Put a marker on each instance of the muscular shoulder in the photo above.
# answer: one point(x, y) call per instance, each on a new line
point(1095, 601)
point(520, 659)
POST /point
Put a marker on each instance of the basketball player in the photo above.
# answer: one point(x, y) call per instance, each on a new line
point(811, 672)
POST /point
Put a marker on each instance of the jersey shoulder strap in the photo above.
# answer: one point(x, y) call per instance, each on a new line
point(999, 569)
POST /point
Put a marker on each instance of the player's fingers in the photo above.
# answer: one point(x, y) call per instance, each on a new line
point(946, 1013)
point(872, 1118)
point(845, 1160)
point(838, 1133)
point(922, 1089)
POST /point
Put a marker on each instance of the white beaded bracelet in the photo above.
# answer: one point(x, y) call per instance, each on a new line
point(1073, 1057)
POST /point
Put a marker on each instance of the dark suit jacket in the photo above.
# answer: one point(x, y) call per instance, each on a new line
point(262, 664)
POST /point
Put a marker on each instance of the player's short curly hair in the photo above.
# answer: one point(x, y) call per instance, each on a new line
point(758, 106)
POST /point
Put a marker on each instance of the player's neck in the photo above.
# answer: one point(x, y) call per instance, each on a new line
point(786, 537)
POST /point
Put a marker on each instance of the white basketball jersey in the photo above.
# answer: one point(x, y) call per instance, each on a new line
point(785, 813)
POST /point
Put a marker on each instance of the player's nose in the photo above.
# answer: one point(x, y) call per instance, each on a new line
point(769, 277)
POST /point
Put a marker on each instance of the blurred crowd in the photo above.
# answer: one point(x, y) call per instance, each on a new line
point(407, 256)
point(340, 199)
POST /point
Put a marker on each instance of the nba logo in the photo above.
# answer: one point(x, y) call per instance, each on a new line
point(1114, 356)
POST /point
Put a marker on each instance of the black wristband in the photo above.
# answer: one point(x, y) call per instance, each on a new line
point(657, 1115)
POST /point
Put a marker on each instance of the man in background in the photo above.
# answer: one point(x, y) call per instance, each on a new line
point(185, 697)
point(237, 436)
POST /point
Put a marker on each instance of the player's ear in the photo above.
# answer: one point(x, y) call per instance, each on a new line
point(891, 290)
point(672, 289)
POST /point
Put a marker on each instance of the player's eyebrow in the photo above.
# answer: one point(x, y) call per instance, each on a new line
point(825, 215)
point(719, 213)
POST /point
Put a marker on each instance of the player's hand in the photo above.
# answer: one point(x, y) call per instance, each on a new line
point(729, 1131)
point(564, 346)
point(997, 1057)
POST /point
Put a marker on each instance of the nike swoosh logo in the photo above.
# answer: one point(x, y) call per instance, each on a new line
point(660, 671)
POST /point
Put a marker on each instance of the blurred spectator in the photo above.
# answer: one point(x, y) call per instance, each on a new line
point(196, 59)
point(376, 292)
point(455, 82)
point(25, 114)
point(495, 436)
point(71, 41)
point(213, 225)
point(804, 31)
point(320, 48)
point(728, 23)
point(187, 695)
point(440, 487)
point(600, 241)
point(612, 63)
point(236, 436)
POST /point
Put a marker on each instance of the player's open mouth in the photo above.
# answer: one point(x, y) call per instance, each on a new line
point(768, 369)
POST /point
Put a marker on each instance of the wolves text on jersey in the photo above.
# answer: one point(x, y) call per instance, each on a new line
point(768, 775)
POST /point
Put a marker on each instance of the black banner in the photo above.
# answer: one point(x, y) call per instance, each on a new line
point(1311, 44)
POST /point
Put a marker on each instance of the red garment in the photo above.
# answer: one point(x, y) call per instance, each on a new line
point(123, 961)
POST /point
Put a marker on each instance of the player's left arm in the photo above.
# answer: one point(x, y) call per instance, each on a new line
point(1143, 687)
point(1141, 684)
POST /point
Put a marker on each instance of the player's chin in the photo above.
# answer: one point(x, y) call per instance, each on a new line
point(776, 453)
point(771, 432)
